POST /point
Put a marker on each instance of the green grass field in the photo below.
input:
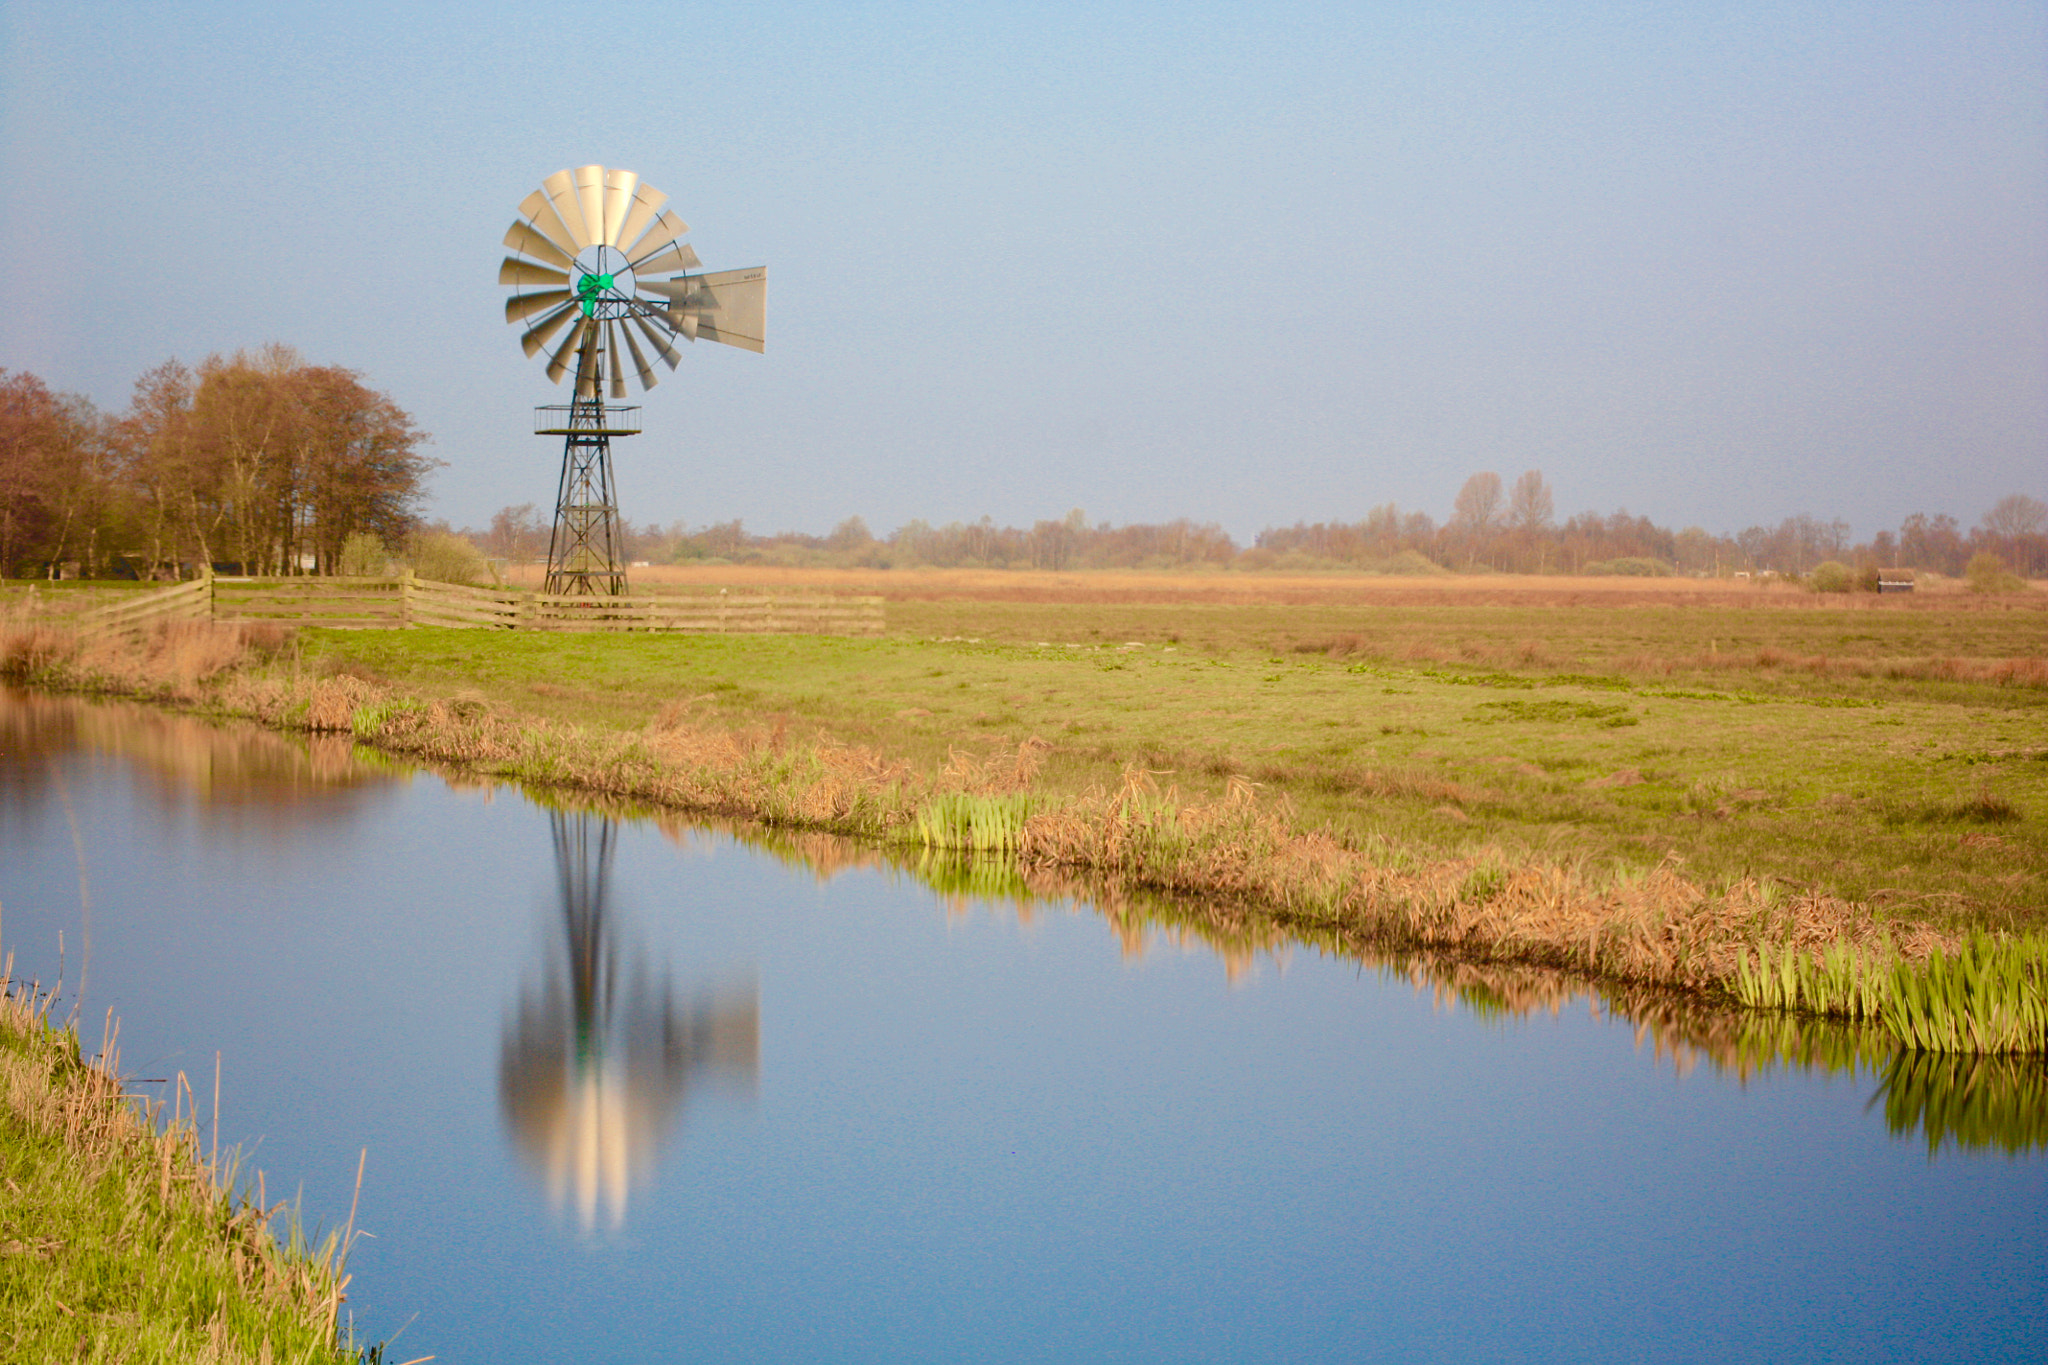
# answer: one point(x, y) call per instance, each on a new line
point(1890, 754)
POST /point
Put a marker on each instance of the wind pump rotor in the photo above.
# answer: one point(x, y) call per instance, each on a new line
point(599, 258)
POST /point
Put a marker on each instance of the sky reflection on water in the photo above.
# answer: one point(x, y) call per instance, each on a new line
point(900, 1126)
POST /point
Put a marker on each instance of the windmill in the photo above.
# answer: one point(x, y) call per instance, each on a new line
point(599, 256)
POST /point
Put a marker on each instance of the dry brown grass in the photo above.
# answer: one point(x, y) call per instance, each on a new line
point(168, 659)
point(1657, 927)
point(1237, 587)
point(1028, 585)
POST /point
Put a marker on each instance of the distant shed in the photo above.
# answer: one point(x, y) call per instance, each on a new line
point(1895, 580)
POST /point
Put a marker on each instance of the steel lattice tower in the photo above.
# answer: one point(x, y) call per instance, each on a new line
point(586, 552)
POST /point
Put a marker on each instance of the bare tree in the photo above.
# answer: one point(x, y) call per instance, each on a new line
point(1931, 543)
point(849, 535)
point(32, 438)
point(1478, 504)
point(1530, 506)
point(154, 443)
point(2014, 524)
point(517, 535)
point(1476, 512)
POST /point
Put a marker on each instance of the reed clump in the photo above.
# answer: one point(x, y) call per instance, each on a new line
point(1983, 995)
point(1989, 995)
point(1843, 980)
point(120, 1239)
point(974, 822)
point(1652, 925)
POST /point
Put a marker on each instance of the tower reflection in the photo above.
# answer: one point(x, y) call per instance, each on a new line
point(598, 1054)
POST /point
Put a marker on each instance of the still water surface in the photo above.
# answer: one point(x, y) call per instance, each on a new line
point(634, 1093)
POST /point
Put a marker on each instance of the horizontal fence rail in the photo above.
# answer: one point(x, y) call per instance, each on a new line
point(183, 602)
point(359, 604)
point(405, 601)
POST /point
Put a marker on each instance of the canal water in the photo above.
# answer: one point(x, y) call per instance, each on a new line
point(634, 1091)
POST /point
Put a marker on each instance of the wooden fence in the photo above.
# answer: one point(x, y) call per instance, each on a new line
point(185, 602)
point(406, 601)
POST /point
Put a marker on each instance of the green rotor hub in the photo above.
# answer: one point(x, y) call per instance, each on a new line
point(587, 290)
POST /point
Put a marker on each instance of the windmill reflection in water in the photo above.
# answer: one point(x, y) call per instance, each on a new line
point(598, 1054)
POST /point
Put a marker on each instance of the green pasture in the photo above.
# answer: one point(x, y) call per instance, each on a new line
point(1621, 735)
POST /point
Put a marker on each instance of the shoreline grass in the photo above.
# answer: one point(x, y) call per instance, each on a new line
point(1986, 995)
point(121, 1239)
point(1529, 857)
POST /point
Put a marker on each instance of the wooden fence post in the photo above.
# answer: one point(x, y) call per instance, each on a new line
point(405, 601)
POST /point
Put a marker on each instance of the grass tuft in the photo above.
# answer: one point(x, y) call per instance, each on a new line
point(1990, 995)
point(974, 823)
point(120, 1239)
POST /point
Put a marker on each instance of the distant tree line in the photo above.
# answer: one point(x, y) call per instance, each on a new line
point(262, 463)
point(256, 462)
point(520, 534)
point(1515, 531)
point(1493, 528)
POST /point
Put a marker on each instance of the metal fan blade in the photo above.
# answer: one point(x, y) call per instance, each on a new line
point(586, 361)
point(671, 258)
point(688, 290)
point(734, 314)
point(611, 351)
point(647, 202)
point(525, 305)
point(666, 229)
point(516, 271)
point(590, 198)
point(561, 193)
point(742, 307)
point(558, 363)
point(640, 365)
point(709, 332)
point(524, 239)
point(547, 224)
point(618, 197)
point(683, 322)
point(668, 353)
point(537, 335)
point(543, 219)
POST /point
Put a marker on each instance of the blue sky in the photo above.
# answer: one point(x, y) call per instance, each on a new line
point(1714, 263)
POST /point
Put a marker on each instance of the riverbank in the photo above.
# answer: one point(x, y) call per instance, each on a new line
point(1667, 819)
point(120, 1239)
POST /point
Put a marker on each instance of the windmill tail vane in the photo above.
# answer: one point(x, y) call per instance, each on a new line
point(599, 259)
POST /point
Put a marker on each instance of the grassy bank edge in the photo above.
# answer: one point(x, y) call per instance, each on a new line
point(1240, 854)
point(120, 1239)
